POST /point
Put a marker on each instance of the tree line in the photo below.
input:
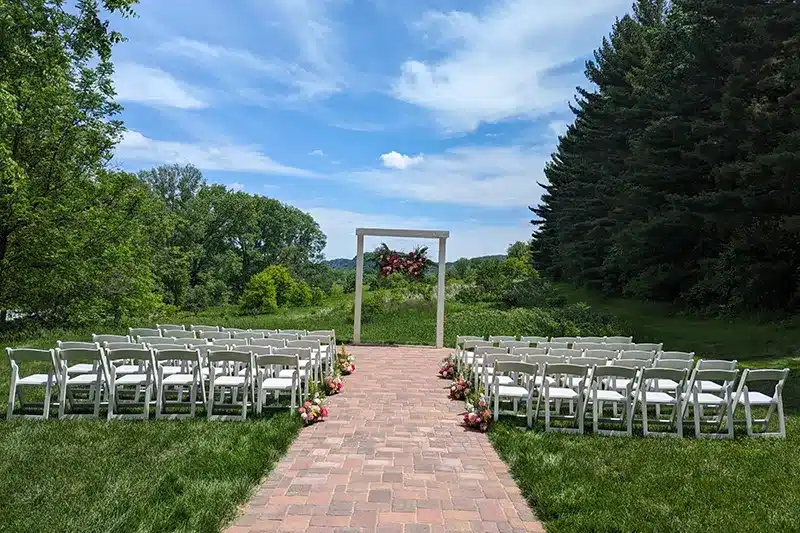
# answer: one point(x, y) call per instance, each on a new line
point(679, 179)
point(82, 242)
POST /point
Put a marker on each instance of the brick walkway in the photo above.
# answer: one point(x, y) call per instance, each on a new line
point(391, 457)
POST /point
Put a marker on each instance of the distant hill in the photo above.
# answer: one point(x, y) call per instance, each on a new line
point(350, 264)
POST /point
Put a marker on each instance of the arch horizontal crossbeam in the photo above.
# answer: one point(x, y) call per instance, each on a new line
point(414, 234)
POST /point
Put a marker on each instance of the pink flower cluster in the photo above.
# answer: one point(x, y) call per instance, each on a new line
point(447, 368)
point(312, 412)
point(459, 389)
point(412, 264)
point(333, 384)
point(479, 416)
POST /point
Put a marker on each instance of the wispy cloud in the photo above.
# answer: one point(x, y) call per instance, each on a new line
point(135, 147)
point(399, 161)
point(483, 176)
point(236, 187)
point(151, 86)
point(505, 62)
point(317, 153)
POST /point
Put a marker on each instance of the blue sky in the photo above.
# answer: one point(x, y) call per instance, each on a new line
point(433, 114)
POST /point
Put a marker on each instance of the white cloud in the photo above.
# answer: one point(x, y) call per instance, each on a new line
point(318, 153)
point(499, 64)
point(226, 157)
point(558, 127)
point(236, 187)
point(399, 161)
point(151, 86)
point(484, 176)
point(466, 239)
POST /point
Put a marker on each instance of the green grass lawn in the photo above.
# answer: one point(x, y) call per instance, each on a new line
point(626, 485)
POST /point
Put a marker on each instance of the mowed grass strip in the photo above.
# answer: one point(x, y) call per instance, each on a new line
point(122, 476)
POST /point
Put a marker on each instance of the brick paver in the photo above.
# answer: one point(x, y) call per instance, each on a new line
point(391, 457)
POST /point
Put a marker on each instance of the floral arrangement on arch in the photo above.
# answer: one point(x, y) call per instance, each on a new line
point(447, 368)
point(412, 264)
point(333, 384)
point(345, 363)
point(313, 409)
point(478, 415)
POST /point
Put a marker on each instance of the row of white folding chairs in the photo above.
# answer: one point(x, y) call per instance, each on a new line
point(215, 332)
point(145, 368)
point(581, 382)
point(608, 343)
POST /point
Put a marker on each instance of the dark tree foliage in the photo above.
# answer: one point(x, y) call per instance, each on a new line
point(679, 179)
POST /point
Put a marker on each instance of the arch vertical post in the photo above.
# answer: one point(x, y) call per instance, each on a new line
point(440, 299)
point(359, 288)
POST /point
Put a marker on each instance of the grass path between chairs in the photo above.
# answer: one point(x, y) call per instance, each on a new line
point(580, 484)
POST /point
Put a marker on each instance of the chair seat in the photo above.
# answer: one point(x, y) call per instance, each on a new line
point(710, 386)
point(81, 368)
point(664, 384)
point(205, 372)
point(538, 380)
point(704, 398)
point(169, 370)
point(132, 379)
point(504, 380)
point(287, 373)
point(35, 379)
point(575, 381)
point(229, 381)
point(277, 383)
point(562, 393)
point(756, 398)
point(512, 391)
point(660, 397)
point(618, 383)
point(607, 396)
point(84, 379)
point(178, 379)
point(127, 369)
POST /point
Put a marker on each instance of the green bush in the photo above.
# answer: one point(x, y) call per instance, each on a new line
point(336, 291)
point(299, 294)
point(260, 294)
point(317, 296)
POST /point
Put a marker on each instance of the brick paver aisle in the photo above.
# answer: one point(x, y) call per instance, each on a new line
point(391, 457)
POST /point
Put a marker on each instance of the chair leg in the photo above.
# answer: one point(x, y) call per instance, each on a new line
point(97, 396)
point(529, 411)
point(47, 393)
point(679, 418)
point(62, 400)
point(210, 407)
point(147, 392)
point(644, 416)
point(496, 406)
point(12, 394)
point(580, 415)
point(748, 417)
point(193, 399)
point(547, 413)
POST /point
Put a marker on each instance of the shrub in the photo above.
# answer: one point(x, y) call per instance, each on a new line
point(299, 294)
point(317, 296)
point(336, 291)
point(260, 294)
point(197, 299)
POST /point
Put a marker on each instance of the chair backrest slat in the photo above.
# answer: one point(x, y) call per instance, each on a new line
point(122, 346)
point(171, 327)
point(567, 369)
point(68, 345)
point(591, 361)
point(533, 339)
point(541, 360)
point(514, 344)
point(529, 351)
point(516, 366)
point(284, 336)
point(632, 363)
point(297, 332)
point(203, 328)
point(675, 355)
point(679, 364)
point(552, 345)
point(136, 354)
point(257, 350)
point(213, 335)
point(275, 343)
point(598, 340)
point(498, 338)
point(490, 350)
point(311, 345)
point(278, 360)
point(765, 374)
point(166, 346)
point(619, 339)
point(177, 355)
point(637, 354)
point(147, 340)
point(654, 346)
point(264, 331)
point(605, 354)
point(229, 355)
point(568, 340)
point(143, 332)
point(716, 364)
point(101, 338)
point(582, 345)
point(614, 371)
point(181, 334)
point(233, 330)
point(30, 354)
point(565, 352)
point(475, 343)
point(247, 335)
point(302, 353)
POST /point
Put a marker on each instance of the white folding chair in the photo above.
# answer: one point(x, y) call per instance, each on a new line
point(190, 377)
point(298, 332)
point(554, 344)
point(518, 385)
point(558, 390)
point(78, 368)
point(648, 397)
point(565, 352)
point(564, 340)
point(171, 327)
point(18, 355)
point(143, 332)
point(479, 366)
point(599, 396)
point(601, 354)
point(468, 356)
point(94, 380)
point(637, 354)
point(750, 398)
point(276, 374)
point(305, 361)
point(513, 344)
point(327, 349)
point(714, 364)
point(486, 370)
point(621, 340)
point(233, 331)
point(232, 382)
point(247, 335)
point(144, 339)
point(101, 339)
point(141, 379)
point(722, 402)
point(315, 349)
